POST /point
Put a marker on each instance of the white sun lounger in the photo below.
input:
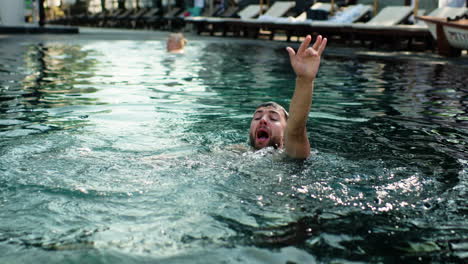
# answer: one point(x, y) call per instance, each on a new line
point(387, 21)
point(387, 28)
point(444, 12)
point(391, 15)
point(301, 25)
point(350, 14)
point(249, 11)
point(279, 8)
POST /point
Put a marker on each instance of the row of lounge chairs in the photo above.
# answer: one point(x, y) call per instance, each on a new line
point(147, 18)
point(150, 18)
point(354, 23)
point(350, 24)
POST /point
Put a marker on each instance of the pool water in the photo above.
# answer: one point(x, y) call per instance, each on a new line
point(115, 151)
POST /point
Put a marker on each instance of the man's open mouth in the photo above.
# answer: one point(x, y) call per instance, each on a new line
point(262, 135)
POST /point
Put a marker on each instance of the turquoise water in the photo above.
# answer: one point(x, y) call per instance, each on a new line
point(117, 152)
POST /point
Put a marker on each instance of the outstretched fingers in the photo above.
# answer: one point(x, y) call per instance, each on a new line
point(316, 50)
point(322, 46)
point(317, 42)
point(304, 45)
point(291, 52)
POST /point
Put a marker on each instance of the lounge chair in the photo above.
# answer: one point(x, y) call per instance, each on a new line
point(149, 18)
point(131, 21)
point(92, 19)
point(444, 12)
point(390, 15)
point(95, 20)
point(352, 14)
point(210, 12)
point(387, 28)
point(279, 9)
point(160, 21)
point(337, 25)
point(230, 12)
point(250, 27)
point(79, 19)
point(64, 20)
point(215, 24)
point(420, 26)
point(320, 11)
point(172, 19)
point(250, 11)
point(109, 16)
point(119, 20)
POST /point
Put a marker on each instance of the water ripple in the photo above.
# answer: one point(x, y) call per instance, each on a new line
point(146, 158)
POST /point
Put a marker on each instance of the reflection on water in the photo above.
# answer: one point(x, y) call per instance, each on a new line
point(40, 86)
point(117, 150)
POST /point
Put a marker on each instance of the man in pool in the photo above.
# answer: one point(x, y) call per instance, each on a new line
point(271, 124)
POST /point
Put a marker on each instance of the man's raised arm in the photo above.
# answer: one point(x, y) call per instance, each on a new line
point(305, 64)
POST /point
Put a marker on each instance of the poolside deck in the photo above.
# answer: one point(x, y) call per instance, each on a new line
point(398, 37)
point(359, 35)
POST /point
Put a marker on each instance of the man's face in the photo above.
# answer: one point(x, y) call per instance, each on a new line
point(267, 128)
point(174, 44)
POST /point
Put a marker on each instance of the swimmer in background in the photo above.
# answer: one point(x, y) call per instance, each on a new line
point(271, 125)
point(176, 43)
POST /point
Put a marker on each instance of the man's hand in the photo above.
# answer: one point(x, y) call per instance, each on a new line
point(305, 64)
point(306, 61)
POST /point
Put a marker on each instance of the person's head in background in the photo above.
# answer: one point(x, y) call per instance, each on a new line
point(176, 43)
